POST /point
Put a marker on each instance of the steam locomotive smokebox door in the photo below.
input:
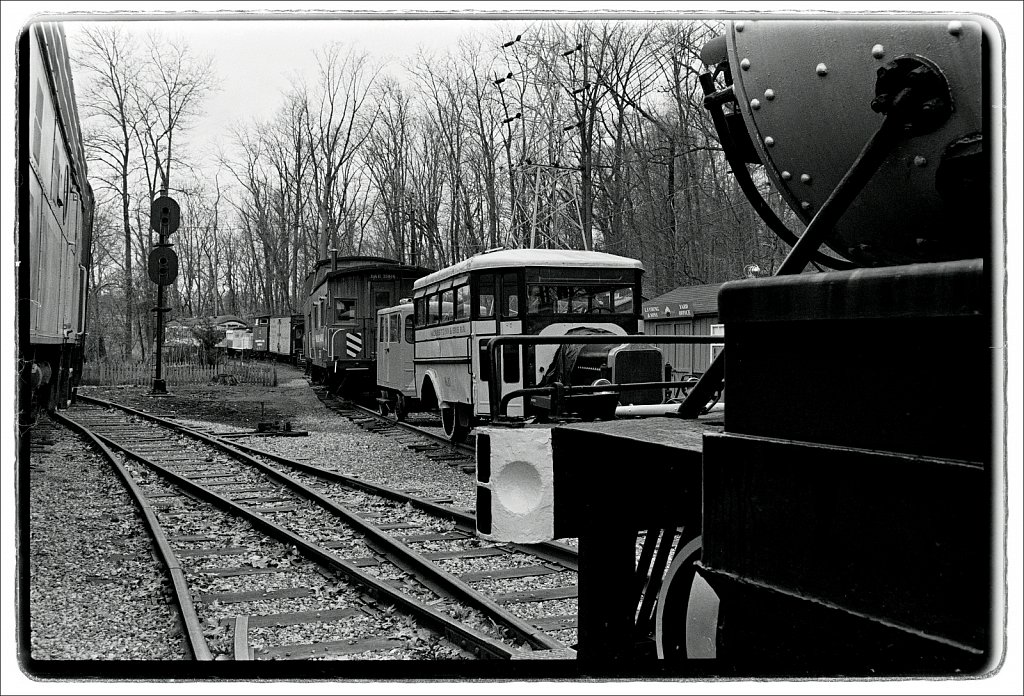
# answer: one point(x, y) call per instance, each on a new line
point(848, 503)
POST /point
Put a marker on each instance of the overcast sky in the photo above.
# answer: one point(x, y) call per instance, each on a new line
point(258, 60)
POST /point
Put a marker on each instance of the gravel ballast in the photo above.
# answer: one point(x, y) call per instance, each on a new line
point(333, 442)
point(96, 590)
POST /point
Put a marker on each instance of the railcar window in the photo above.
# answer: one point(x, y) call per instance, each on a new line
point(510, 363)
point(394, 335)
point(55, 169)
point(37, 139)
point(509, 295)
point(462, 302)
point(65, 191)
point(380, 331)
point(410, 329)
point(435, 309)
point(537, 301)
point(344, 310)
point(447, 305)
point(485, 362)
point(485, 301)
point(420, 307)
point(564, 299)
point(624, 300)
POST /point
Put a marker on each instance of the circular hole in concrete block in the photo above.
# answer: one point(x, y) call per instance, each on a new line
point(518, 487)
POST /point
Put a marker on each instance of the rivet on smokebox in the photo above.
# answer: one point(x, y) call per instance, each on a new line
point(739, 26)
point(755, 104)
point(786, 176)
point(769, 141)
point(878, 51)
point(955, 28)
point(822, 69)
point(769, 94)
point(745, 64)
point(920, 161)
point(805, 178)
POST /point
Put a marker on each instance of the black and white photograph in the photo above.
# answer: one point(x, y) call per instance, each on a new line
point(476, 348)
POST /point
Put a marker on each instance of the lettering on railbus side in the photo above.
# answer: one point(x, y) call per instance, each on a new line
point(448, 331)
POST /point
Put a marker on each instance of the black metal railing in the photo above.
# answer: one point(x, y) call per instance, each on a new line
point(499, 402)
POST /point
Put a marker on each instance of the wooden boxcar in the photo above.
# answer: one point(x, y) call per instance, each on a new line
point(285, 337)
point(59, 201)
point(343, 295)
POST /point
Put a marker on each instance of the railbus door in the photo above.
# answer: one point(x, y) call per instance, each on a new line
point(510, 323)
point(485, 326)
point(381, 296)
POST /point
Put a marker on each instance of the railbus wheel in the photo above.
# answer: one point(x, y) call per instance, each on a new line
point(455, 421)
point(686, 622)
point(401, 408)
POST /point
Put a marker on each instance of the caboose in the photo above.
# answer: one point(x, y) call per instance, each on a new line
point(840, 516)
point(343, 295)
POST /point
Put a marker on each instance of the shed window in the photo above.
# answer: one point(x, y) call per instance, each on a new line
point(716, 348)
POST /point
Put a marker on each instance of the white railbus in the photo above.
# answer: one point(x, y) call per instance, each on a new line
point(540, 292)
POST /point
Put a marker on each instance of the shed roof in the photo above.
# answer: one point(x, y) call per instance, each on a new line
point(698, 300)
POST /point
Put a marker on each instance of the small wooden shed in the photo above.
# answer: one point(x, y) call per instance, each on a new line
point(685, 311)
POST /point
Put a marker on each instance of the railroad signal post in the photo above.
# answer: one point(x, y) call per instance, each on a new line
point(164, 218)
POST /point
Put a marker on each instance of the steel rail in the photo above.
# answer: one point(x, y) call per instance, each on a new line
point(441, 622)
point(396, 551)
point(562, 554)
point(195, 639)
point(413, 428)
point(553, 551)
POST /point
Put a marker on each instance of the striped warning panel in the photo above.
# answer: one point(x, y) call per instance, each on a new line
point(353, 344)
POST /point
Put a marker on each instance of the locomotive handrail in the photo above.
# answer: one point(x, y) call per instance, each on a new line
point(569, 390)
point(494, 359)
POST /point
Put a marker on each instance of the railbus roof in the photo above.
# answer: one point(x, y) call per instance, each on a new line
point(520, 258)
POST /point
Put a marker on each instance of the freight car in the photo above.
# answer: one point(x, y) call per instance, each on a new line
point(840, 518)
point(54, 256)
point(343, 295)
point(518, 292)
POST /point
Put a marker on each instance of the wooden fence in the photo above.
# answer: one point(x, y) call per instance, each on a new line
point(107, 374)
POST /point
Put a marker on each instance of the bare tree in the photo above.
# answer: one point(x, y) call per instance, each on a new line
point(108, 57)
point(336, 125)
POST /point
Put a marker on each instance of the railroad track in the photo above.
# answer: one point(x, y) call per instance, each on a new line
point(422, 438)
point(364, 543)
